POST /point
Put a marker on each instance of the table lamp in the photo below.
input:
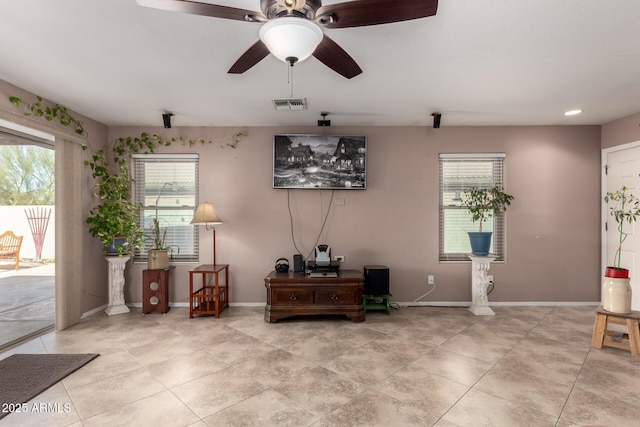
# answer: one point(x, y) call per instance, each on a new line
point(206, 215)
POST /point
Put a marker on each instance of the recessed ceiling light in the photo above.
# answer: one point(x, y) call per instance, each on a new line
point(573, 112)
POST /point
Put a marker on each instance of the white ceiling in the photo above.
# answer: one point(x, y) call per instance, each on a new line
point(479, 62)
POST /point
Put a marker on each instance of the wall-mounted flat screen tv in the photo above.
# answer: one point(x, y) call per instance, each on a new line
point(320, 161)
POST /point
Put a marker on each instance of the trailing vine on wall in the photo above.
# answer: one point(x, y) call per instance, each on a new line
point(50, 113)
point(116, 215)
point(145, 143)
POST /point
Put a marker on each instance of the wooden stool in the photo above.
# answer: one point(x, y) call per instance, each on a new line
point(602, 337)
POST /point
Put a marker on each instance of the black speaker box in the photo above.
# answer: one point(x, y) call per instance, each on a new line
point(298, 263)
point(376, 280)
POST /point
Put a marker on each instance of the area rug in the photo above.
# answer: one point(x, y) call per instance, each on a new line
point(24, 376)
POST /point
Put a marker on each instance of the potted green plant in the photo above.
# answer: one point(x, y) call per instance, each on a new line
point(114, 220)
point(484, 203)
point(160, 252)
point(625, 209)
point(616, 287)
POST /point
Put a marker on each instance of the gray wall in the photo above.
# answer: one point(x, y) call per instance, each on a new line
point(553, 234)
point(622, 131)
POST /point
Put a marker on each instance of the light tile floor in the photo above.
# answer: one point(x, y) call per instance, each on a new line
point(26, 301)
point(420, 366)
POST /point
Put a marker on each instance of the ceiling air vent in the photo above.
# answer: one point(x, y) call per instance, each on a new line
point(290, 104)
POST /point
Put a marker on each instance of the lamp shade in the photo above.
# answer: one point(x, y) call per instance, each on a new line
point(206, 214)
point(291, 37)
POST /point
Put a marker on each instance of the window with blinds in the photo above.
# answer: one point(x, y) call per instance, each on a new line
point(166, 187)
point(459, 172)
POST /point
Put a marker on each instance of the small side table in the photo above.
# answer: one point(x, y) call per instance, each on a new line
point(209, 298)
point(155, 290)
point(377, 302)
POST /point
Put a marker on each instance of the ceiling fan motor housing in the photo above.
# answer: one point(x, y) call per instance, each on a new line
point(276, 8)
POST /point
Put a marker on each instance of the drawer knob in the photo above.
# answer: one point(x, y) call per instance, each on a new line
point(293, 297)
point(334, 297)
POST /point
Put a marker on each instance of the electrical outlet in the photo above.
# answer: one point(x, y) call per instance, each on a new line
point(490, 278)
point(339, 258)
point(430, 279)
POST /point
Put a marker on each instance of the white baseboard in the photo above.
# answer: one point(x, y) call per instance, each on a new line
point(186, 304)
point(546, 304)
point(463, 304)
point(94, 311)
point(500, 304)
point(247, 304)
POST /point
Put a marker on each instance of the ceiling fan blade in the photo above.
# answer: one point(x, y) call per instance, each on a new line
point(204, 9)
point(251, 57)
point(360, 13)
point(333, 56)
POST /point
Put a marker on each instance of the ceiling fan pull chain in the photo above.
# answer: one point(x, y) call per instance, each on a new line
point(291, 79)
point(291, 61)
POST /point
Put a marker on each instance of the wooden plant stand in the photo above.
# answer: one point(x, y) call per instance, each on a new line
point(603, 337)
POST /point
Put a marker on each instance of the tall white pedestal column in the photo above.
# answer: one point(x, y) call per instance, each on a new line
point(117, 265)
point(480, 265)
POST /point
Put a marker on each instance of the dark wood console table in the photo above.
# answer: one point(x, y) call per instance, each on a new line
point(292, 294)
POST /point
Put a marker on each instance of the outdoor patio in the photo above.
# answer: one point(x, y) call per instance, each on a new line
point(26, 301)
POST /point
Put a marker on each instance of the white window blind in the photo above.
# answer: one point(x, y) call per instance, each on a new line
point(166, 186)
point(459, 172)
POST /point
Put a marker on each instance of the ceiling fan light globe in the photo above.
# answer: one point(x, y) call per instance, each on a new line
point(289, 36)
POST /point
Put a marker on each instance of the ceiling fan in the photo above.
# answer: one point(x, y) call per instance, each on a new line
point(292, 29)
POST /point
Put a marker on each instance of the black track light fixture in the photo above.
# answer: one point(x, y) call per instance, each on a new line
point(324, 121)
point(436, 120)
point(166, 119)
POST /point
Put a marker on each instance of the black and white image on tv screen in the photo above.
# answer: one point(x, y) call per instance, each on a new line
point(319, 161)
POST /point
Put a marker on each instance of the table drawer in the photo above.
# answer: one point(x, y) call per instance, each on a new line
point(292, 296)
point(336, 296)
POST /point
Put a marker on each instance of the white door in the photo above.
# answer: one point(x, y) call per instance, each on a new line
point(624, 170)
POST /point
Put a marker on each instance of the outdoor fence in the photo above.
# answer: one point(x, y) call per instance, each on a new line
point(14, 218)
